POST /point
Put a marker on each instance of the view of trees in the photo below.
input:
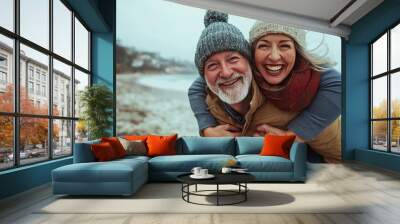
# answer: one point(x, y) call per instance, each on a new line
point(33, 131)
point(380, 127)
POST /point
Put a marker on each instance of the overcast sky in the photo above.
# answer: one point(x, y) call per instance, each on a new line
point(172, 29)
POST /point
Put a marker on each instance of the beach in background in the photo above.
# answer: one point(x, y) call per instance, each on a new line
point(155, 104)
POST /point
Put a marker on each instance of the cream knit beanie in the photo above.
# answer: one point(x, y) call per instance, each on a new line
point(260, 29)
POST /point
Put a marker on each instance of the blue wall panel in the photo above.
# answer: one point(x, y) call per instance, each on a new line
point(102, 58)
point(24, 178)
point(103, 64)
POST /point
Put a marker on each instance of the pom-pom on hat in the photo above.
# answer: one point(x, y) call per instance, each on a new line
point(260, 29)
point(217, 36)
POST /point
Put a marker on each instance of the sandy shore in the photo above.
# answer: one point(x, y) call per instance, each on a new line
point(147, 110)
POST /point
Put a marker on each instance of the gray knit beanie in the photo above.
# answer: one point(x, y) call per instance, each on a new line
point(219, 36)
point(260, 29)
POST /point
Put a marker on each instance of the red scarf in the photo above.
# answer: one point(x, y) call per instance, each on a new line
point(296, 92)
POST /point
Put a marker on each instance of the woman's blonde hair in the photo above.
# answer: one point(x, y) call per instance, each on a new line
point(317, 62)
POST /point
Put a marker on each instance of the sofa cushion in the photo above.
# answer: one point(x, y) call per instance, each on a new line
point(134, 147)
point(83, 152)
point(257, 163)
point(161, 145)
point(103, 152)
point(116, 145)
point(277, 145)
point(249, 145)
point(194, 145)
point(185, 163)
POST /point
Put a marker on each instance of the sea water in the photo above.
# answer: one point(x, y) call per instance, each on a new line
point(176, 82)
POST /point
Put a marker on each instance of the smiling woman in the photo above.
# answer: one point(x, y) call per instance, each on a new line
point(275, 57)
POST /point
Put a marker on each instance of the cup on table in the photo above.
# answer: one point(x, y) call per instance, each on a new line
point(196, 171)
point(203, 172)
point(226, 170)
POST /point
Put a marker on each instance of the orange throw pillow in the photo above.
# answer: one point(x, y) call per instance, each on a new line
point(161, 145)
point(103, 152)
point(135, 137)
point(116, 145)
point(275, 145)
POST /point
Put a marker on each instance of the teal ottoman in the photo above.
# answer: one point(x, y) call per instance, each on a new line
point(118, 177)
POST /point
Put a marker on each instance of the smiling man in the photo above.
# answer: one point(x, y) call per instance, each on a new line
point(223, 60)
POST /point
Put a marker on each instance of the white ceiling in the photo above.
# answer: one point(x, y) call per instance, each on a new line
point(324, 16)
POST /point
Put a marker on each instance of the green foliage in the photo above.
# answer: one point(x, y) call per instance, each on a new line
point(97, 103)
point(380, 127)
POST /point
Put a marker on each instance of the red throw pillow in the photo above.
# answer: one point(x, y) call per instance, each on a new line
point(161, 145)
point(103, 151)
point(116, 145)
point(275, 145)
point(135, 137)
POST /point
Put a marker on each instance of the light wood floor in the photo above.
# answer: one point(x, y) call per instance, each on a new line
point(378, 188)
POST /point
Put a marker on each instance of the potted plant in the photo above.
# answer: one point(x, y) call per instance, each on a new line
point(96, 102)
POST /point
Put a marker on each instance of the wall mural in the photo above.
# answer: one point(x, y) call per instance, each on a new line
point(201, 72)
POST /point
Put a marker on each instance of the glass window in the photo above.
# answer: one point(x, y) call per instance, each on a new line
point(379, 135)
point(30, 72)
point(379, 56)
point(395, 136)
point(37, 89)
point(62, 138)
point(34, 80)
point(385, 125)
point(62, 72)
point(3, 78)
point(81, 131)
point(37, 75)
point(33, 140)
point(395, 95)
point(6, 74)
point(62, 29)
point(40, 62)
point(6, 142)
point(379, 98)
point(7, 14)
point(3, 61)
point(81, 45)
point(34, 21)
point(30, 87)
point(43, 90)
point(81, 81)
point(395, 47)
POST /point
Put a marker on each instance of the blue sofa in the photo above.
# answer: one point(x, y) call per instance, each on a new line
point(125, 176)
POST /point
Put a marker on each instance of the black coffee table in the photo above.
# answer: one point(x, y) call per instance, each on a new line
point(238, 179)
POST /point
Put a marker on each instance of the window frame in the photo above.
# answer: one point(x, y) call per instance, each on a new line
point(388, 74)
point(16, 114)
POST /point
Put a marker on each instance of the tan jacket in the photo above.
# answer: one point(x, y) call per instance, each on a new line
point(327, 143)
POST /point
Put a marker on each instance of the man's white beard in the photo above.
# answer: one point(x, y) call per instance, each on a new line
point(235, 93)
